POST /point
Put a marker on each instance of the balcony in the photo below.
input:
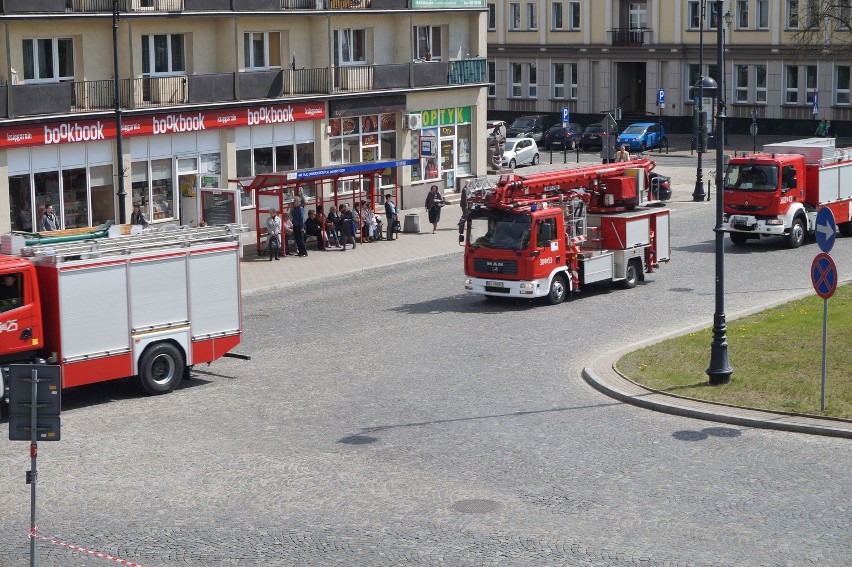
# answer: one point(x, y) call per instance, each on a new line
point(272, 84)
point(192, 6)
point(628, 37)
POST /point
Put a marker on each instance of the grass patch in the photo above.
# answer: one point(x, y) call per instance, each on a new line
point(776, 356)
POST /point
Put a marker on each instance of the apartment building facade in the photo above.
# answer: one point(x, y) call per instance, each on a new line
point(212, 91)
point(595, 55)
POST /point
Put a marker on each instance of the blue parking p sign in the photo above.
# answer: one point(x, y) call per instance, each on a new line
point(661, 96)
point(566, 114)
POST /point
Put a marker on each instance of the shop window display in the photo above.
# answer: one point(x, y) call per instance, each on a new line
point(102, 193)
point(162, 189)
point(20, 203)
point(46, 186)
point(75, 208)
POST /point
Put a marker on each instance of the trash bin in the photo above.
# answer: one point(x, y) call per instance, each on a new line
point(411, 223)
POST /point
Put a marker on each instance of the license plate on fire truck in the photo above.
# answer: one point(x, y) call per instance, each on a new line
point(493, 284)
point(736, 219)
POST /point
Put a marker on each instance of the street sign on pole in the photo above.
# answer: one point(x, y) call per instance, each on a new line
point(661, 98)
point(815, 104)
point(566, 115)
point(826, 229)
point(824, 275)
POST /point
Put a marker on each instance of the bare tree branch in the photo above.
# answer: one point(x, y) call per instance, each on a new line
point(825, 29)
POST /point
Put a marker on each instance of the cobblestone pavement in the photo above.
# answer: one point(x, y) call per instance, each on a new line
point(386, 418)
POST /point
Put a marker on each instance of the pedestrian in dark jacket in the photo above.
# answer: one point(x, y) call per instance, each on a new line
point(434, 202)
point(347, 226)
point(297, 214)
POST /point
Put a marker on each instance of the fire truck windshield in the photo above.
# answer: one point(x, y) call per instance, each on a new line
point(751, 177)
point(504, 231)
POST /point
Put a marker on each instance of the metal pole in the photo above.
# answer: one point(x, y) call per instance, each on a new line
point(720, 369)
point(698, 193)
point(119, 146)
point(824, 348)
point(33, 469)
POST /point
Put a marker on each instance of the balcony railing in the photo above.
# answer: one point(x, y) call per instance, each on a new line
point(273, 84)
point(96, 6)
point(628, 37)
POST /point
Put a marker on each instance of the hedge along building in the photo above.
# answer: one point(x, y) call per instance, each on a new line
point(214, 91)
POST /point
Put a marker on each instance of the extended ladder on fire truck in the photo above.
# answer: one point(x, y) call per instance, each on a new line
point(184, 237)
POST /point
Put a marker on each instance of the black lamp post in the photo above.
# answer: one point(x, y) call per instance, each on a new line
point(698, 194)
point(720, 369)
point(119, 149)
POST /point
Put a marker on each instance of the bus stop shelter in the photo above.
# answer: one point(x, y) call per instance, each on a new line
point(322, 188)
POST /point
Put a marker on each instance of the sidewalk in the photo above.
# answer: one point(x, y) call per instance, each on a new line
point(258, 273)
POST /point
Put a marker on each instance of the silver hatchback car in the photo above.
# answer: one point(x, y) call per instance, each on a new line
point(519, 151)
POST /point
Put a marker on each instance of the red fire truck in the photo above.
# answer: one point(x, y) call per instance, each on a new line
point(779, 191)
point(148, 305)
point(548, 234)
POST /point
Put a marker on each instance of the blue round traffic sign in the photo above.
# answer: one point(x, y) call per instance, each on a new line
point(824, 275)
point(825, 229)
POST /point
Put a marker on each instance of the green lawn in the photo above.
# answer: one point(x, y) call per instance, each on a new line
point(776, 356)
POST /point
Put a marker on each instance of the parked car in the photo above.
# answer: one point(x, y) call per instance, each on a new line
point(562, 136)
point(533, 126)
point(642, 136)
point(661, 186)
point(519, 151)
point(592, 137)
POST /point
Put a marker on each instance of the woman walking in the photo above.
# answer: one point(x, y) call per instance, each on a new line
point(434, 202)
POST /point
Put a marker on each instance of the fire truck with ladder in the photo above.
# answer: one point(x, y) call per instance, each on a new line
point(549, 234)
point(779, 191)
point(110, 306)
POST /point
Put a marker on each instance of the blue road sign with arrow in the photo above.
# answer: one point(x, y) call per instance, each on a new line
point(826, 230)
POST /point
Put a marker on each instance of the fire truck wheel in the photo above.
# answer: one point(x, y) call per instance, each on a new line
point(738, 238)
point(797, 233)
point(558, 290)
point(161, 369)
point(631, 275)
point(845, 228)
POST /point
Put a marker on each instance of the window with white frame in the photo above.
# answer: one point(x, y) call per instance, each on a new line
point(514, 16)
point(492, 79)
point(742, 14)
point(791, 84)
point(557, 16)
point(49, 59)
point(350, 47)
point(532, 80)
point(262, 50)
point(427, 41)
point(713, 16)
point(637, 15)
point(760, 83)
point(564, 79)
point(813, 13)
point(574, 15)
point(841, 84)
point(163, 54)
point(740, 83)
point(762, 22)
point(517, 79)
point(810, 83)
point(844, 13)
point(791, 14)
point(492, 16)
point(693, 15)
point(532, 16)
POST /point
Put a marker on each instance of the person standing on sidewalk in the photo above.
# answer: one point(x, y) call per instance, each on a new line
point(391, 216)
point(273, 235)
point(434, 202)
point(298, 216)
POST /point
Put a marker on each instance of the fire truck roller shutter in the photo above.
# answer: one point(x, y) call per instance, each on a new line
point(214, 284)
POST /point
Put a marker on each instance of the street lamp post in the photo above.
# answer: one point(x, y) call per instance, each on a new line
point(698, 194)
point(720, 369)
point(119, 149)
